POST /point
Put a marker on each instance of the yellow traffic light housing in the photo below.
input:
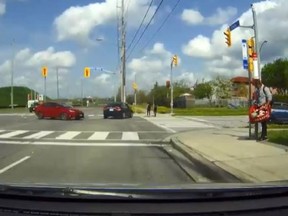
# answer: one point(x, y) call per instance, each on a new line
point(227, 33)
point(86, 72)
point(44, 71)
point(251, 50)
point(175, 60)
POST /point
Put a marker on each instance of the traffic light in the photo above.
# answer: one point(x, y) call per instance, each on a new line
point(86, 72)
point(44, 71)
point(227, 33)
point(168, 84)
point(175, 60)
point(135, 86)
point(251, 50)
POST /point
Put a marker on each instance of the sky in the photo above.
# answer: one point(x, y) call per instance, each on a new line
point(72, 34)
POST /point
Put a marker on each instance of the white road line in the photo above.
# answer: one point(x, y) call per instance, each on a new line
point(130, 136)
point(13, 133)
point(14, 164)
point(68, 135)
point(98, 136)
point(38, 135)
point(83, 144)
point(2, 131)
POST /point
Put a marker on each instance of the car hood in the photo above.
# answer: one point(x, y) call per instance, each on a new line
point(76, 110)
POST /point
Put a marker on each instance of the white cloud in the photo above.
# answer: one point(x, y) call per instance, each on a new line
point(154, 66)
point(78, 22)
point(194, 17)
point(27, 68)
point(2, 7)
point(219, 59)
point(221, 16)
point(198, 47)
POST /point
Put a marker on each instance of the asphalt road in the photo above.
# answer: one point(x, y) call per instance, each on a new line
point(92, 127)
point(95, 151)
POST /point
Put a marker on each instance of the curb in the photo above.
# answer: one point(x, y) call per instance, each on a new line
point(216, 171)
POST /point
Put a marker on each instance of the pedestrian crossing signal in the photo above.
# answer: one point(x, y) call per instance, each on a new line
point(44, 71)
point(86, 72)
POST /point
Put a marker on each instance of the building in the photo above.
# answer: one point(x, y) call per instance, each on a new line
point(240, 87)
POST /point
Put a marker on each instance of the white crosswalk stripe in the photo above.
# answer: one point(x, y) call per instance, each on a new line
point(38, 135)
point(13, 133)
point(130, 136)
point(68, 135)
point(73, 135)
point(98, 136)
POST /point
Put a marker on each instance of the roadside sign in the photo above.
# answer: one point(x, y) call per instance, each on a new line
point(255, 64)
point(244, 54)
point(234, 25)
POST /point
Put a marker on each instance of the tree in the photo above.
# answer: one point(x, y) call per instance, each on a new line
point(222, 87)
point(275, 75)
point(203, 90)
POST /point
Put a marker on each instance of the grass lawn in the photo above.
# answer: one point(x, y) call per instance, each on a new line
point(279, 137)
point(276, 126)
point(210, 111)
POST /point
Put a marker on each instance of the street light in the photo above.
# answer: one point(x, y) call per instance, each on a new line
point(259, 55)
point(262, 45)
point(12, 75)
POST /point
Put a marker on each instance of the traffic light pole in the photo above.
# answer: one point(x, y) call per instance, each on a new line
point(44, 89)
point(57, 74)
point(255, 29)
point(171, 87)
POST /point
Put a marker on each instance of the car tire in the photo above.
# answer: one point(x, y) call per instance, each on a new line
point(39, 115)
point(64, 116)
point(105, 117)
point(131, 115)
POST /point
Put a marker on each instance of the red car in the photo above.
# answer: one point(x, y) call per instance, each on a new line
point(57, 111)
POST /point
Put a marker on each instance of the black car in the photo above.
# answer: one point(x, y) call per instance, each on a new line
point(117, 110)
point(279, 113)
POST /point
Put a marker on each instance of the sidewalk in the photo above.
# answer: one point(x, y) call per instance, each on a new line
point(231, 150)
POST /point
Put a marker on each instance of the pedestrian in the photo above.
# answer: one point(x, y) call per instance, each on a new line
point(263, 99)
point(148, 109)
point(155, 109)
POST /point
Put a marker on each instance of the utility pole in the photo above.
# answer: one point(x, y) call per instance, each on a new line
point(255, 28)
point(57, 77)
point(123, 54)
point(12, 76)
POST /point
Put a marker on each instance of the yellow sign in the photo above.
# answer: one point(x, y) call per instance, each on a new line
point(86, 72)
point(44, 71)
point(135, 86)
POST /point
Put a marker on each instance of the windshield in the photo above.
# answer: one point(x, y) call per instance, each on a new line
point(159, 93)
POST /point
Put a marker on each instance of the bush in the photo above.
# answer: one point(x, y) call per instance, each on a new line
point(280, 98)
point(137, 109)
point(163, 109)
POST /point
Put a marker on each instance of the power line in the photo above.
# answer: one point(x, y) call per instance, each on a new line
point(146, 28)
point(161, 26)
point(136, 33)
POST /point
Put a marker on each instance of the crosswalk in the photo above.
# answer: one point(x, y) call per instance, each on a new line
point(83, 135)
